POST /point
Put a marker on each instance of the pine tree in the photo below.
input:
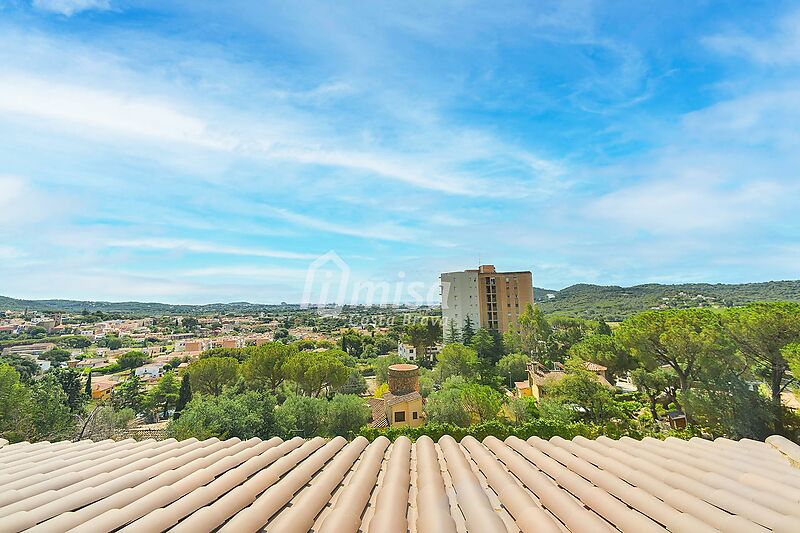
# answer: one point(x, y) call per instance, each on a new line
point(467, 331)
point(452, 333)
point(184, 396)
point(88, 389)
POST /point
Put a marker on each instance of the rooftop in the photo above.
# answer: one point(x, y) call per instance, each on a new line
point(335, 485)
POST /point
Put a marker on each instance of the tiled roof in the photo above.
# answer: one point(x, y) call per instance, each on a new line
point(378, 408)
point(392, 399)
point(333, 486)
point(594, 367)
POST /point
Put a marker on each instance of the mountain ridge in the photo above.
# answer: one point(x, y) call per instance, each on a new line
point(607, 302)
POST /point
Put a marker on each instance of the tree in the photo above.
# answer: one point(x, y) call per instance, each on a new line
point(164, 396)
point(231, 414)
point(445, 407)
point(604, 350)
point(488, 347)
point(725, 406)
point(212, 374)
point(113, 343)
point(384, 345)
point(352, 343)
point(654, 383)
point(534, 333)
point(481, 402)
point(467, 331)
point(582, 389)
point(132, 359)
point(103, 422)
point(14, 398)
point(264, 369)
point(190, 322)
point(418, 336)
point(184, 395)
point(791, 353)
point(51, 418)
point(355, 384)
point(347, 414)
point(761, 331)
point(70, 381)
point(690, 341)
point(25, 366)
point(456, 360)
point(56, 356)
point(237, 353)
point(603, 328)
point(314, 372)
point(87, 390)
point(523, 409)
point(453, 334)
point(129, 394)
point(382, 364)
point(515, 365)
point(301, 416)
point(565, 333)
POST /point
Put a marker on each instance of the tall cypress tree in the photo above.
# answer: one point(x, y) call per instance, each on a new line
point(88, 389)
point(184, 396)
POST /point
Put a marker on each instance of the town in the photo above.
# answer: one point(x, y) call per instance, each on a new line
point(399, 267)
point(486, 355)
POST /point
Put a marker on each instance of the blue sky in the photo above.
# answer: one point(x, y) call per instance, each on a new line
point(194, 151)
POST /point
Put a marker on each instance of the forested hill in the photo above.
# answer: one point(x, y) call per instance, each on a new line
point(613, 303)
point(137, 308)
point(608, 302)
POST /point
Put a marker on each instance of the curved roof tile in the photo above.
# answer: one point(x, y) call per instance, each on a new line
point(335, 486)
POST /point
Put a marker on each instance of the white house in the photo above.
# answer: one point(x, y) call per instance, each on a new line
point(406, 351)
point(154, 370)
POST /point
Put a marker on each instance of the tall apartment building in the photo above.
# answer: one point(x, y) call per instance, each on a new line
point(492, 300)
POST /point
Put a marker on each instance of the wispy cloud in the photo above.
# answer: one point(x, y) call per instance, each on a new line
point(381, 231)
point(71, 7)
point(778, 45)
point(184, 245)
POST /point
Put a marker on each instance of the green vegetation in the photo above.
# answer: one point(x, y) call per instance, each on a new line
point(724, 368)
point(614, 303)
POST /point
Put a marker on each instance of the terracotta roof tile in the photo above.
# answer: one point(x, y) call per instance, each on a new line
point(333, 486)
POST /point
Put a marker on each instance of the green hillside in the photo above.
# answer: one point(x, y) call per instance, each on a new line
point(613, 303)
point(136, 308)
point(609, 302)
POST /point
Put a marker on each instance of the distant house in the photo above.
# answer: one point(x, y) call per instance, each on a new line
point(234, 342)
point(402, 405)
point(540, 378)
point(406, 351)
point(154, 370)
point(102, 390)
point(34, 350)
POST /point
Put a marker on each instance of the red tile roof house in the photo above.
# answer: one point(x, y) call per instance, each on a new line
point(336, 486)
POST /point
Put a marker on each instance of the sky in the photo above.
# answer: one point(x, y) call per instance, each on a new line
point(197, 151)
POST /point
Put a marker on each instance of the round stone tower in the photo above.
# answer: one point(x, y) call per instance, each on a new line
point(403, 378)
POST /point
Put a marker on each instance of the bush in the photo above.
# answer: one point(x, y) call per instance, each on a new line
point(541, 428)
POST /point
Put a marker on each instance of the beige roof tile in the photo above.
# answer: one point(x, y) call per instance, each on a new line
point(333, 486)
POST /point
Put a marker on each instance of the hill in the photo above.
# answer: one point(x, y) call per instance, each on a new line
point(137, 308)
point(614, 303)
point(609, 302)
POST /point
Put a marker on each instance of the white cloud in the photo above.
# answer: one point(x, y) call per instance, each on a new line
point(382, 231)
point(70, 7)
point(186, 245)
point(695, 201)
point(97, 111)
point(780, 47)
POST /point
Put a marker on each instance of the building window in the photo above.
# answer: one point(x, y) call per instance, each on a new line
point(400, 416)
point(414, 415)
